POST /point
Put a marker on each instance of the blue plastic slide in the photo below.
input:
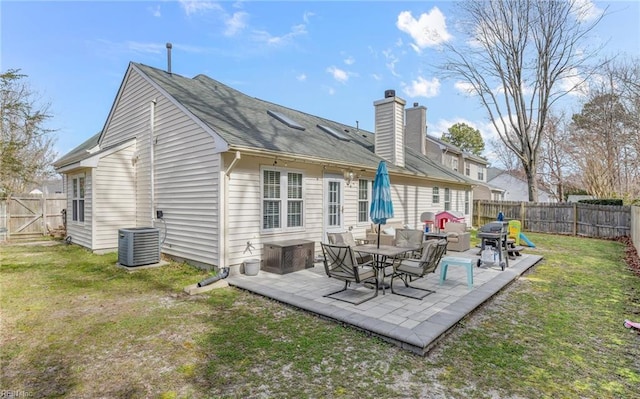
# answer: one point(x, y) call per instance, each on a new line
point(526, 240)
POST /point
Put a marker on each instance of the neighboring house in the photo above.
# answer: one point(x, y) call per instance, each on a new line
point(516, 187)
point(471, 165)
point(231, 172)
point(47, 187)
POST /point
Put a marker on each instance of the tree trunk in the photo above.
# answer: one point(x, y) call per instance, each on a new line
point(532, 182)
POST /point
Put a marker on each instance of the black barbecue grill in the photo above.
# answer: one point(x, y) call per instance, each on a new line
point(494, 236)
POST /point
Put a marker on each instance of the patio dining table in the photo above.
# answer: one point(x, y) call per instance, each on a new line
point(380, 256)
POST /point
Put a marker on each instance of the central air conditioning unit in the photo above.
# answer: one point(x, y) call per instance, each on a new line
point(138, 246)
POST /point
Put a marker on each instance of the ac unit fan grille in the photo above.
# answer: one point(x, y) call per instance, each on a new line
point(138, 246)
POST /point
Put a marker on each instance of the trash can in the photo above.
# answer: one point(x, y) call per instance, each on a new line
point(514, 230)
point(251, 267)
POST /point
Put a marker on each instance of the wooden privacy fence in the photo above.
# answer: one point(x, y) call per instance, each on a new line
point(28, 216)
point(571, 218)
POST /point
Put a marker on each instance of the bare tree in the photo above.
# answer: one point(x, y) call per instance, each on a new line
point(506, 158)
point(606, 132)
point(556, 164)
point(521, 57)
point(26, 147)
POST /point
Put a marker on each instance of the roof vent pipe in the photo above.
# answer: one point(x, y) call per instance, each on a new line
point(169, 57)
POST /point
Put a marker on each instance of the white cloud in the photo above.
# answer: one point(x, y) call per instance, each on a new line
point(138, 47)
point(376, 76)
point(392, 60)
point(267, 38)
point(349, 60)
point(429, 30)
point(236, 23)
point(574, 84)
point(423, 88)
point(191, 7)
point(338, 74)
point(302, 77)
point(464, 88)
point(586, 10)
point(306, 17)
point(155, 11)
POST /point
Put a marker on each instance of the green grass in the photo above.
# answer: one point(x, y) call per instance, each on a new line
point(75, 325)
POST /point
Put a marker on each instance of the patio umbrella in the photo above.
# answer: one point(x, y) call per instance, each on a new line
point(381, 205)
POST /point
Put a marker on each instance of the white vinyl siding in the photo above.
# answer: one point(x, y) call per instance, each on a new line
point(186, 171)
point(187, 186)
point(244, 209)
point(115, 197)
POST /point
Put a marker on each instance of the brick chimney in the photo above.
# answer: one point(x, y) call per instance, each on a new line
point(389, 128)
point(415, 134)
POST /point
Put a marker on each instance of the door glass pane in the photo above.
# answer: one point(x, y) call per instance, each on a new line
point(333, 203)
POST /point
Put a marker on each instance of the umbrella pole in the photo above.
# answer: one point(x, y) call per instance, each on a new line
point(378, 235)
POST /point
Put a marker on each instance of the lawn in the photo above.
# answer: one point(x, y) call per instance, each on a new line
point(75, 325)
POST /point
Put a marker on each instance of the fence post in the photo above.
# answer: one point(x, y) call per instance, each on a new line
point(575, 218)
point(44, 214)
point(522, 210)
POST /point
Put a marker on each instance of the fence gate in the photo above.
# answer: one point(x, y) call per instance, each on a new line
point(30, 216)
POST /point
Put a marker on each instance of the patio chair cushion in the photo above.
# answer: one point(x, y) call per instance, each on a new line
point(408, 270)
point(457, 236)
point(341, 263)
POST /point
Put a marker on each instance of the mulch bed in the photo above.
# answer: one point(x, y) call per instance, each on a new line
point(631, 255)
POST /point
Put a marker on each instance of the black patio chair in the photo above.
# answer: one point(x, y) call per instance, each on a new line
point(341, 263)
point(408, 270)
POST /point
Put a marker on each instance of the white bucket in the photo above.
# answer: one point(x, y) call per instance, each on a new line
point(251, 267)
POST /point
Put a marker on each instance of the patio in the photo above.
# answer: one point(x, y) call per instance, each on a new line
point(414, 325)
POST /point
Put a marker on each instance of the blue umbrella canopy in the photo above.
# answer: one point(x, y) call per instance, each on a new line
point(381, 206)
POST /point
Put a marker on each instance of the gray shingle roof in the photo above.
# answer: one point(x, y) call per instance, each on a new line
point(244, 122)
point(79, 153)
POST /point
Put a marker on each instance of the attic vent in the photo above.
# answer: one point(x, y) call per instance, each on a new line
point(286, 120)
point(334, 133)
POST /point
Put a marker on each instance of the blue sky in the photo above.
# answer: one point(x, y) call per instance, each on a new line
point(330, 58)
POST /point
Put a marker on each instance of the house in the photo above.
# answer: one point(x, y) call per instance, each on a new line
point(515, 186)
point(471, 165)
point(229, 173)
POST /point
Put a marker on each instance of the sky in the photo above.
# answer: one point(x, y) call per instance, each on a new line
point(329, 58)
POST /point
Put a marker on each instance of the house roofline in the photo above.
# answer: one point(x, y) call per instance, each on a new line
point(393, 170)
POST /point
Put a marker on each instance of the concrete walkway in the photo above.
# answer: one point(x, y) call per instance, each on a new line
point(415, 325)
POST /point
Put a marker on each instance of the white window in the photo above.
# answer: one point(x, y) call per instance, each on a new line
point(363, 201)
point(454, 164)
point(467, 169)
point(436, 195)
point(78, 199)
point(480, 173)
point(281, 190)
point(466, 202)
point(447, 199)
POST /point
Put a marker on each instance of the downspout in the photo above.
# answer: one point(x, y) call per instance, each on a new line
point(225, 233)
point(152, 115)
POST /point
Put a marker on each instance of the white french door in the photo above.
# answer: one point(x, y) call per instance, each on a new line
point(333, 204)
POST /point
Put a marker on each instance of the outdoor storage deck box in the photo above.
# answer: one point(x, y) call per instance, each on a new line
point(288, 256)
